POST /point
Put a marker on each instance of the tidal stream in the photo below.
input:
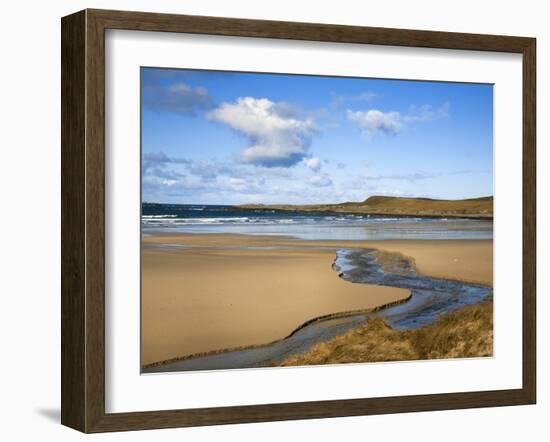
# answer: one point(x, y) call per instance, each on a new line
point(430, 298)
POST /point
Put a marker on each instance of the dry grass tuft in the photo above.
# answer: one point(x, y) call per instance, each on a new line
point(467, 332)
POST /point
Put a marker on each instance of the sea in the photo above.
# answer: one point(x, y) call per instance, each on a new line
point(197, 218)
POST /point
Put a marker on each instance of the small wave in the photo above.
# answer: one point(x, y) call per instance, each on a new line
point(175, 220)
point(403, 220)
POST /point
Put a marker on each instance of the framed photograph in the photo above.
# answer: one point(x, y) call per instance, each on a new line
point(267, 220)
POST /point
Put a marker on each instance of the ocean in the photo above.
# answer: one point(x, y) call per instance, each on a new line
point(196, 218)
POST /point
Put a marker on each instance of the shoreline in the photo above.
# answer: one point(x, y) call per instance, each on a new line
point(476, 217)
point(449, 264)
point(212, 246)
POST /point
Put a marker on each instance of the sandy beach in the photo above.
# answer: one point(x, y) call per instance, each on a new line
point(208, 292)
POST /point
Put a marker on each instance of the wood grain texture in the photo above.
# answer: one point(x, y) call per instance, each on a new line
point(73, 129)
point(95, 222)
point(83, 219)
point(145, 21)
point(529, 221)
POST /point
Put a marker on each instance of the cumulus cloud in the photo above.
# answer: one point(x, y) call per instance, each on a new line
point(321, 180)
point(178, 98)
point(373, 122)
point(313, 163)
point(277, 137)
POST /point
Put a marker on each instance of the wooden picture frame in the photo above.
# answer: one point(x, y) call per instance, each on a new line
point(83, 220)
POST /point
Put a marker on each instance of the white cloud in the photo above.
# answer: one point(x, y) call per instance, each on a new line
point(374, 121)
point(338, 100)
point(411, 177)
point(277, 137)
point(313, 164)
point(321, 180)
point(237, 183)
point(158, 160)
point(179, 98)
point(427, 112)
point(365, 96)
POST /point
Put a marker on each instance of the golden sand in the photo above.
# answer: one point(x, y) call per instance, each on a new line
point(215, 296)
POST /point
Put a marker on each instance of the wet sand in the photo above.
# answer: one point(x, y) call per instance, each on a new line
point(464, 260)
point(221, 294)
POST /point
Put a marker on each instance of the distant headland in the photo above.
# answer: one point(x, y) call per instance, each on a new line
point(478, 208)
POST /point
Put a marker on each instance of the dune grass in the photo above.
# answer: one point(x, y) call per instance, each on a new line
point(467, 332)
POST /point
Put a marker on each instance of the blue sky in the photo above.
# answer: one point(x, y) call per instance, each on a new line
point(213, 137)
